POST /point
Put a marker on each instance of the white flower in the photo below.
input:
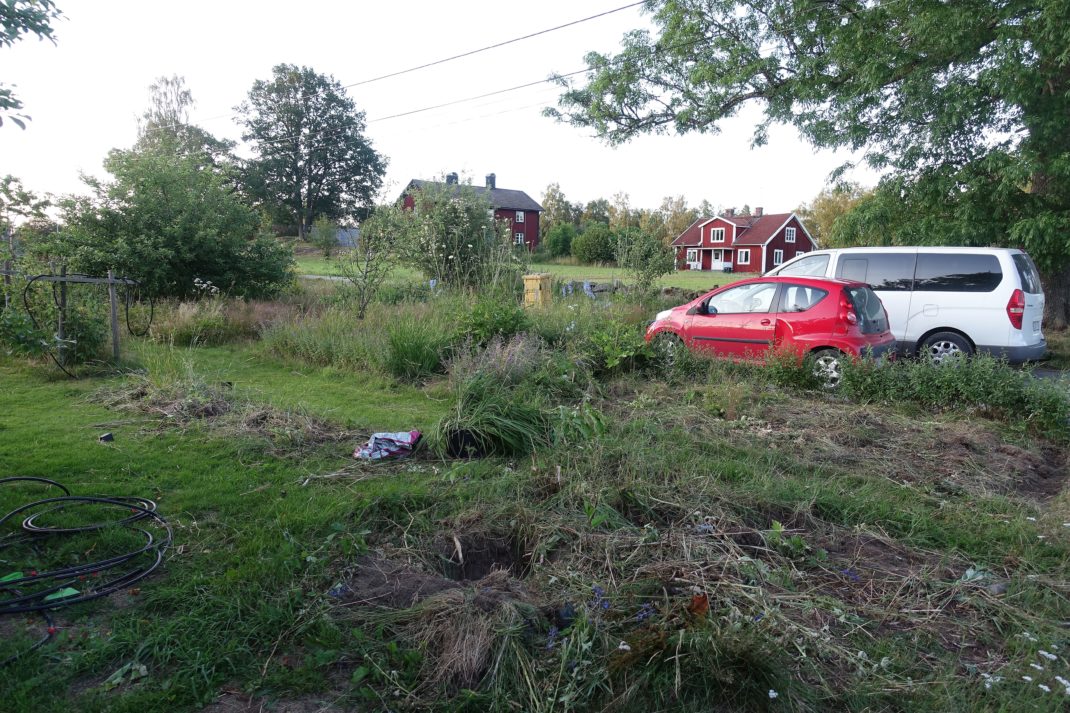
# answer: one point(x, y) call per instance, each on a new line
point(1062, 681)
point(1044, 688)
point(773, 694)
point(1027, 678)
point(1045, 654)
point(623, 646)
point(1031, 519)
point(1037, 666)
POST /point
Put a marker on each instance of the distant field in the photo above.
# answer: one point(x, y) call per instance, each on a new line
point(317, 265)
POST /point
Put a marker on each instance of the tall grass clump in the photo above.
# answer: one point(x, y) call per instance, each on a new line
point(490, 418)
point(979, 384)
point(331, 339)
point(416, 350)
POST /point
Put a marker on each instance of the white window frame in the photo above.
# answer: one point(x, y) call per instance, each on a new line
point(519, 237)
point(789, 235)
point(692, 255)
point(778, 257)
point(714, 233)
point(743, 256)
point(520, 216)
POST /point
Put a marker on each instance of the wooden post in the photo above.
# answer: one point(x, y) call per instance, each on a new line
point(113, 299)
point(61, 335)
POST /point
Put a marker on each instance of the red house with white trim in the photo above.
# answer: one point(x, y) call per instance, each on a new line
point(517, 208)
point(742, 243)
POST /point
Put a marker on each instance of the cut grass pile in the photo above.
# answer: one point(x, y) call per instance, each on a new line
point(709, 536)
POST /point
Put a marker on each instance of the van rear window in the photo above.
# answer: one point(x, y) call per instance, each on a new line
point(956, 272)
point(881, 271)
point(1028, 272)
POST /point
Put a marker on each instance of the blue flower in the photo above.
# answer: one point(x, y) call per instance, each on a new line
point(645, 612)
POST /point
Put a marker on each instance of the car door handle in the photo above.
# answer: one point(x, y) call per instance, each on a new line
point(765, 322)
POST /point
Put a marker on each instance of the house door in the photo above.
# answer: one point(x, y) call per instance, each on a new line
point(693, 259)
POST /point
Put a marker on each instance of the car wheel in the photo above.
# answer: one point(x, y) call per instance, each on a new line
point(827, 367)
point(944, 347)
point(668, 347)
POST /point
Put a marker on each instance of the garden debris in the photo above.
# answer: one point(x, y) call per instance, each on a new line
point(388, 445)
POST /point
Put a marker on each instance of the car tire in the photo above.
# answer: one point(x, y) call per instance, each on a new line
point(827, 367)
point(668, 346)
point(941, 347)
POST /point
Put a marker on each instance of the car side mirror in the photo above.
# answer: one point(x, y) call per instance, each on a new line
point(702, 308)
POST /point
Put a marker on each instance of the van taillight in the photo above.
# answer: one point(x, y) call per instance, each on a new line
point(1016, 308)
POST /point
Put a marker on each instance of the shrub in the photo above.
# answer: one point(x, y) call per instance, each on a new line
point(980, 383)
point(18, 333)
point(615, 347)
point(593, 245)
point(494, 317)
point(502, 361)
point(324, 235)
point(488, 419)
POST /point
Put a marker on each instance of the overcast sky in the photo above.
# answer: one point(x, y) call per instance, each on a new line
point(85, 93)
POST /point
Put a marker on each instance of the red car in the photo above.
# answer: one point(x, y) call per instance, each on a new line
point(820, 317)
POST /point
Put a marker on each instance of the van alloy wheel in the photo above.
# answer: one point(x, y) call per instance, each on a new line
point(945, 348)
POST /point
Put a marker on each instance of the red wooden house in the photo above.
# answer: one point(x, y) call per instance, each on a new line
point(516, 207)
point(742, 243)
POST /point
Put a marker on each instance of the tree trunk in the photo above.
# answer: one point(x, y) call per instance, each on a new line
point(1057, 299)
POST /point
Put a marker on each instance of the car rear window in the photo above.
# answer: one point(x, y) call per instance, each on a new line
point(956, 272)
point(1028, 272)
point(870, 310)
point(890, 272)
point(799, 298)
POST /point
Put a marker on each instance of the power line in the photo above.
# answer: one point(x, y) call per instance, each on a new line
point(491, 47)
point(444, 60)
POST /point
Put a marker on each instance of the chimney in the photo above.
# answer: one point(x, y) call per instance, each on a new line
point(491, 180)
point(758, 212)
point(729, 212)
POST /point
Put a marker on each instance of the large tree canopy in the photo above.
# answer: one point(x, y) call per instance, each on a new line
point(18, 18)
point(312, 156)
point(964, 105)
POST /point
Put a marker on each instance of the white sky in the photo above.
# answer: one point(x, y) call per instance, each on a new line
point(86, 92)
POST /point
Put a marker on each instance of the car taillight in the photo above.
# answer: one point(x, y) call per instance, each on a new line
point(1016, 308)
point(847, 310)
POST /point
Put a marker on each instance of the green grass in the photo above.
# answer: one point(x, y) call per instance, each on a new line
point(811, 528)
point(317, 265)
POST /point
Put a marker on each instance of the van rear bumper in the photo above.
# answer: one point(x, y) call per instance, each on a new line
point(1017, 355)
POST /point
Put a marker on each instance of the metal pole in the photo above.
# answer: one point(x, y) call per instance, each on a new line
point(114, 316)
point(61, 335)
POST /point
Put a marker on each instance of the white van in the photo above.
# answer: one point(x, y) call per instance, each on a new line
point(945, 301)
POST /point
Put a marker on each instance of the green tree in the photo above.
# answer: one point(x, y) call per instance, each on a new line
point(559, 240)
point(16, 202)
point(312, 155)
point(325, 235)
point(18, 18)
point(644, 256)
point(171, 215)
point(556, 210)
point(831, 204)
point(620, 212)
point(594, 244)
point(165, 125)
point(596, 211)
point(963, 105)
point(372, 257)
point(676, 217)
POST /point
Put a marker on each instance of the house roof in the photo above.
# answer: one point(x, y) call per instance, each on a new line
point(759, 229)
point(751, 229)
point(692, 235)
point(498, 197)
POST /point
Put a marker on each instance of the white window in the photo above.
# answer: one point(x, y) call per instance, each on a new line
point(692, 255)
point(490, 213)
point(520, 219)
point(799, 252)
point(789, 235)
point(519, 238)
point(778, 257)
point(743, 257)
point(716, 235)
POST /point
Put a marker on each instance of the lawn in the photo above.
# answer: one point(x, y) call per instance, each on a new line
point(712, 536)
point(317, 265)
